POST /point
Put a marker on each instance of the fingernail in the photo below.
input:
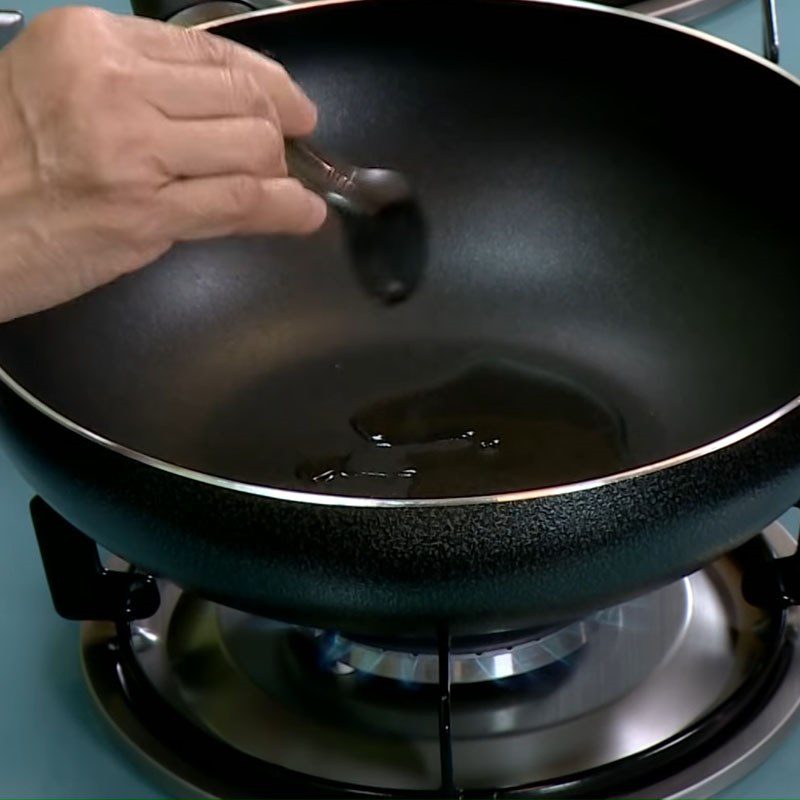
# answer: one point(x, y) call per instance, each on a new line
point(306, 101)
point(301, 94)
point(318, 210)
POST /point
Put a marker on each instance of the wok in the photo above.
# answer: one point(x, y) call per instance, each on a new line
point(613, 268)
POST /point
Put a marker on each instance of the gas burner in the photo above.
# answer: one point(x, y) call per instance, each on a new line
point(674, 694)
point(491, 663)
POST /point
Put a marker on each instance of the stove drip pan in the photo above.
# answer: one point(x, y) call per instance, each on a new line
point(674, 694)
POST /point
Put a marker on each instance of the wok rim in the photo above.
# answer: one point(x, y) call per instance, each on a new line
point(312, 498)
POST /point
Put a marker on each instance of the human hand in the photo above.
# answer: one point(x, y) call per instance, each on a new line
point(121, 136)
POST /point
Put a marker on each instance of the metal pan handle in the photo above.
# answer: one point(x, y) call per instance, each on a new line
point(772, 43)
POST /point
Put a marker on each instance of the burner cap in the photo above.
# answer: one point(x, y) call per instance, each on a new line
point(495, 663)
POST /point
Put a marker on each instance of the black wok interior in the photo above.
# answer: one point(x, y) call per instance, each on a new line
point(608, 205)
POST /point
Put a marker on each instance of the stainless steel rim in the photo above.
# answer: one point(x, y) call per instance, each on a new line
point(311, 498)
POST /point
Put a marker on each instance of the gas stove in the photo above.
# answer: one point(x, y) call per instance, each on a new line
point(677, 693)
point(212, 701)
point(673, 694)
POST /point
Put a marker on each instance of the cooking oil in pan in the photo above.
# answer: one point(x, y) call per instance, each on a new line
point(493, 428)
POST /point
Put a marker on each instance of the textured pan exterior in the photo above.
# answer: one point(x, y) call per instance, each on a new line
point(483, 567)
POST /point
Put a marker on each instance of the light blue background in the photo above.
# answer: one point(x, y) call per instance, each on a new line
point(51, 743)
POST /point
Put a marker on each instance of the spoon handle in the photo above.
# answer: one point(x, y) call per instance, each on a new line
point(319, 173)
point(11, 23)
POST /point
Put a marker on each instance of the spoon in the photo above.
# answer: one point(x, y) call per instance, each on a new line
point(11, 23)
point(383, 223)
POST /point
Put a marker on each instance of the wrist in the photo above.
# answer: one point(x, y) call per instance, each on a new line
point(18, 249)
point(17, 266)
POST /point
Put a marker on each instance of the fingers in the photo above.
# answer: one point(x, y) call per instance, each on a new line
point(201, 208)
point(186, 45)
point(227, 146)
point(203, 92)
point(211, 76)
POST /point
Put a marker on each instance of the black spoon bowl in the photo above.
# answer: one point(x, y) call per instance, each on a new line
point(382, 220)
